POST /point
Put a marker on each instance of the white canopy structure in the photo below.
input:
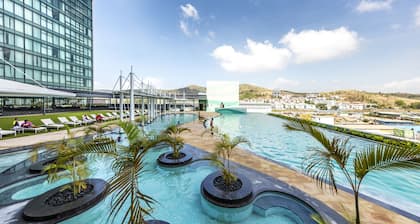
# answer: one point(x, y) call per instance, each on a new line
point(18, 89)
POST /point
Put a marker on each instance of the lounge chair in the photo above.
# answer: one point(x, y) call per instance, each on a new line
point(75, 119)
point(64, 120)
point(34, 129)
point(48, 123)
point(6, 132)
point(106, 118)
point(111, 115)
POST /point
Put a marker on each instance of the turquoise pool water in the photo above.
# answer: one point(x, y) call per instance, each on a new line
point(178, 194)
point(177, 191)
point(269, 139)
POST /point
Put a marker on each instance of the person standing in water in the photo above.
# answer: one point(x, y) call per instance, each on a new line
point(211, 126)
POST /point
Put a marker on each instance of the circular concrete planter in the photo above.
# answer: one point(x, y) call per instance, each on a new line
point(166, 159)
point(42, 209)
point(155, 221)
point(38, 167)
point(233, 198)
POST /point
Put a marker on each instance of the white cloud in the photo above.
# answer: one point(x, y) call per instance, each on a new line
point(184, 27)
point(374, 5)
point(417, 15)
point(408, 85)
point(260, 57)
point(281, 82)
point(189, 11)
point(317, 45)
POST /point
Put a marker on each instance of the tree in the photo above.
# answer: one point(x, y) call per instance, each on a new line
point(400, 103)
point(127, 166)
point(223, 151)
point(73, 164)
point(415, 105)
point(321, 106)
point(377, 157)
point(172, 136)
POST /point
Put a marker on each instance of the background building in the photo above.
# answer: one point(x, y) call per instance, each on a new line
point(51, 41)
point(225, 92)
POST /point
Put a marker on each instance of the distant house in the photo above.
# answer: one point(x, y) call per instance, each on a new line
point(324, 119)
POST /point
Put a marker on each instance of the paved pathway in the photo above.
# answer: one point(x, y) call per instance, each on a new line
point(342, 202)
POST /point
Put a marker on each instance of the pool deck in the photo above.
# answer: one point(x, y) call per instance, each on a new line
point(342, 202)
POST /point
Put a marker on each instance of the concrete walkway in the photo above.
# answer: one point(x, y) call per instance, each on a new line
point(342, 202)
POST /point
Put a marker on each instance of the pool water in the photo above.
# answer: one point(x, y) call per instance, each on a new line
point(177, 191)
point(270, 139)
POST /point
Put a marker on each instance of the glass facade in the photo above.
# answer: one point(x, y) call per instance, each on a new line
point(50, 40)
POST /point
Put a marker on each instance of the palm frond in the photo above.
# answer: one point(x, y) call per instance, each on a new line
point(382, 157)
point(131, 130)
point(320, 166)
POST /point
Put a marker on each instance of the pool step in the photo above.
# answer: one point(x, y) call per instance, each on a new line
point(294, 210)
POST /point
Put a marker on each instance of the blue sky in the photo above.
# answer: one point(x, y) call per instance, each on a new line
point(311, 45)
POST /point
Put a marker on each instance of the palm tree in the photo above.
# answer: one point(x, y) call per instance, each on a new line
point(128, 165)
point(223, 151)
point(71, 162)
point(322, 163)
point(172, 136)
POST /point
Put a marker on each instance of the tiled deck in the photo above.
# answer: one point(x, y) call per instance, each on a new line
point(342, 201)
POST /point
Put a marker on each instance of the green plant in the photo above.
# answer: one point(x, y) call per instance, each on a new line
point(69, 164)
point(172, 136)
point(321, 164)
point(128, 165)
point(222, 153)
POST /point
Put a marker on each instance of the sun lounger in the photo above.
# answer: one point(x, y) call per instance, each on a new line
point(64, 120)
point(111, 115)
point(6, 132)
point(34, 129)
point(75, 119)
point(48, 123)
point(106, 118)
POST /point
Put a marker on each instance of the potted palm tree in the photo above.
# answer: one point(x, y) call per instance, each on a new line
point(225, 187)
point(172, 136)
point(78, 195)
point(127, 165)
point(336, 151)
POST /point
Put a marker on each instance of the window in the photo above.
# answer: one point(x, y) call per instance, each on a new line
point(36, 5)
point(55, 52)
point(19, 41)
point(28, 29)
point(37, 47)
point(37, 33)
point(8, 5)
point(36, 18)
point(28, 44)
point(9, 22)
point(28, 2)
point(19, 26)
point(8, 71)
point(37, 75)
point(28, 59)
point(18, 10)
point(28, 14)
point(19, 57)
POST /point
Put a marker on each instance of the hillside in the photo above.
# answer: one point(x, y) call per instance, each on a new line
point(246, 91)
point(383, 100)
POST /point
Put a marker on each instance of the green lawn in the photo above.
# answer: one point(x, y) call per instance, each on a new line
point(6, 122)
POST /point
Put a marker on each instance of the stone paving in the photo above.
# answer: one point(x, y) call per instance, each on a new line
point(342, 202)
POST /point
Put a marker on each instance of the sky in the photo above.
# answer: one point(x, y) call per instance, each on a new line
point(298, 45)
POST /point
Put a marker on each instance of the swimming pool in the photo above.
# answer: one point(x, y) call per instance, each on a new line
point(270, 139)
point(177, 191)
